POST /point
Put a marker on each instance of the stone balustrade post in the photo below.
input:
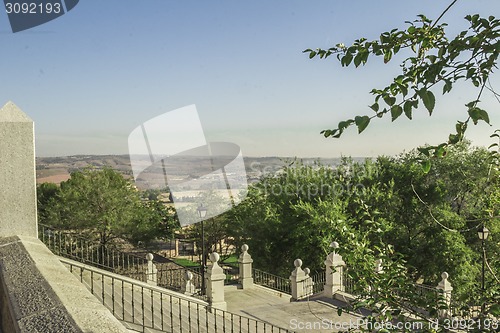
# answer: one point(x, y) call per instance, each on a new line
point(151, 271)
point(187, 287)
point(308, 283)
point(379, 269)
point(334, 272)
point(18, 213)
point(445, 299)
point(297, 281)
point(245, 265)
point(215, 283)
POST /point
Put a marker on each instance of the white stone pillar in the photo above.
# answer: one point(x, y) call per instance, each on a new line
point(18, 215)
point(334, 272)
point(445, 299)
point(379, 269)
point(151, 271)
point(308, 283)
point(215, 283)
point(188, 288)
point(297, 281)
point(245, 264)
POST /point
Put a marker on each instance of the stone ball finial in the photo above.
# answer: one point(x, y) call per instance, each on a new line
point(214, 257)
point(297, 263)
point(445, 275)
point(149, 256)
point(189, 275)
point(334, 245)
point(244, 248)
point(307, 270)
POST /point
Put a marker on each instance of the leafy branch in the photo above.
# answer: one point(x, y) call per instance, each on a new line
point(434, 60)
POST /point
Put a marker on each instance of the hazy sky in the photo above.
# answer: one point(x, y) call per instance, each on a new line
point(90, 77)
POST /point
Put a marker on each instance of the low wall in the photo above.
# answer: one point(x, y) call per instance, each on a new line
point(38, 294)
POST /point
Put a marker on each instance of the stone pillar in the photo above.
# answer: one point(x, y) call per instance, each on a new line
point(245, 260)
point(187, 287)
point(297, 281)
point(18, 215)
point(445, 299)
point(379, 269)
point(334, 272)
point(215, 283)
point(308, 283)
point(151, 271)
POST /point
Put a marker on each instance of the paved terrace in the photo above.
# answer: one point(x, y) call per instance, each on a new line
point(275, 307)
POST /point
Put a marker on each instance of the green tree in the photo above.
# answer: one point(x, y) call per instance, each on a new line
point(434, 60)
point(215, 229)
point(105, 206)
point(450, 198)
point(45, 192)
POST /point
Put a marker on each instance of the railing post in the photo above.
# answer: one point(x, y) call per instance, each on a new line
point(334, 272)
point(297, 281)
point(152, 271)
point(215, 283)
point(379, 269)
point(308, 283)
point(444, 300)
point(188, 287)
point(245, 265)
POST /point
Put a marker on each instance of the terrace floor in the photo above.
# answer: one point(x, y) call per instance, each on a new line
point(318, 314)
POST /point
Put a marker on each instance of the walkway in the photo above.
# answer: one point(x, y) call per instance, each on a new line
point(318, 314)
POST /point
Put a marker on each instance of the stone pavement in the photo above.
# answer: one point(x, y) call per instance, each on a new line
point(318, 314)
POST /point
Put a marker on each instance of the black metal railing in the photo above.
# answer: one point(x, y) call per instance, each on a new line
point(68, 245)
point(318, 280)
point(271, 281)
point(65, 244)
point(141, 306)
point(348, 284)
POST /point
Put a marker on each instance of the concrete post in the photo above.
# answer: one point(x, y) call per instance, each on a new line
point(297, 281)
point(245, 262)
point(308, 283)
point(188, 288)
point(379, 269)
point(334, 272)
point(18, 215)
point(215, 283)
point(445, 299)
point(176, 248)
point(151, 272)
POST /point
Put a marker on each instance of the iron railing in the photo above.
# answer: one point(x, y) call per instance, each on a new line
point(271, 281)
point(68, 245)
point(141, 306)
point(318, 280)
point(65, 244)
point(348, 284)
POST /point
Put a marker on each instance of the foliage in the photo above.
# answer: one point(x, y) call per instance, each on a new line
point(275, 219)
point(432, 219)
point(215, 229)
point(103, 205)
point(421, 224)
point(434, 60)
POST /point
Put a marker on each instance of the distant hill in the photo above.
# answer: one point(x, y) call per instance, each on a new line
point(58, 169)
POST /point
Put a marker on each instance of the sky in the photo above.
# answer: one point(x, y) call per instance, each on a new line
point(91, 76)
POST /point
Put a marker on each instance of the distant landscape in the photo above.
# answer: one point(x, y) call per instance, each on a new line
point(58, 169)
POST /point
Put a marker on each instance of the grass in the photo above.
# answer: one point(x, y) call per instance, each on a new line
point(186, 262)
point(232, 260)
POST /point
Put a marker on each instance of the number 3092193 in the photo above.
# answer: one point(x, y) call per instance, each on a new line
point(33, 8)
